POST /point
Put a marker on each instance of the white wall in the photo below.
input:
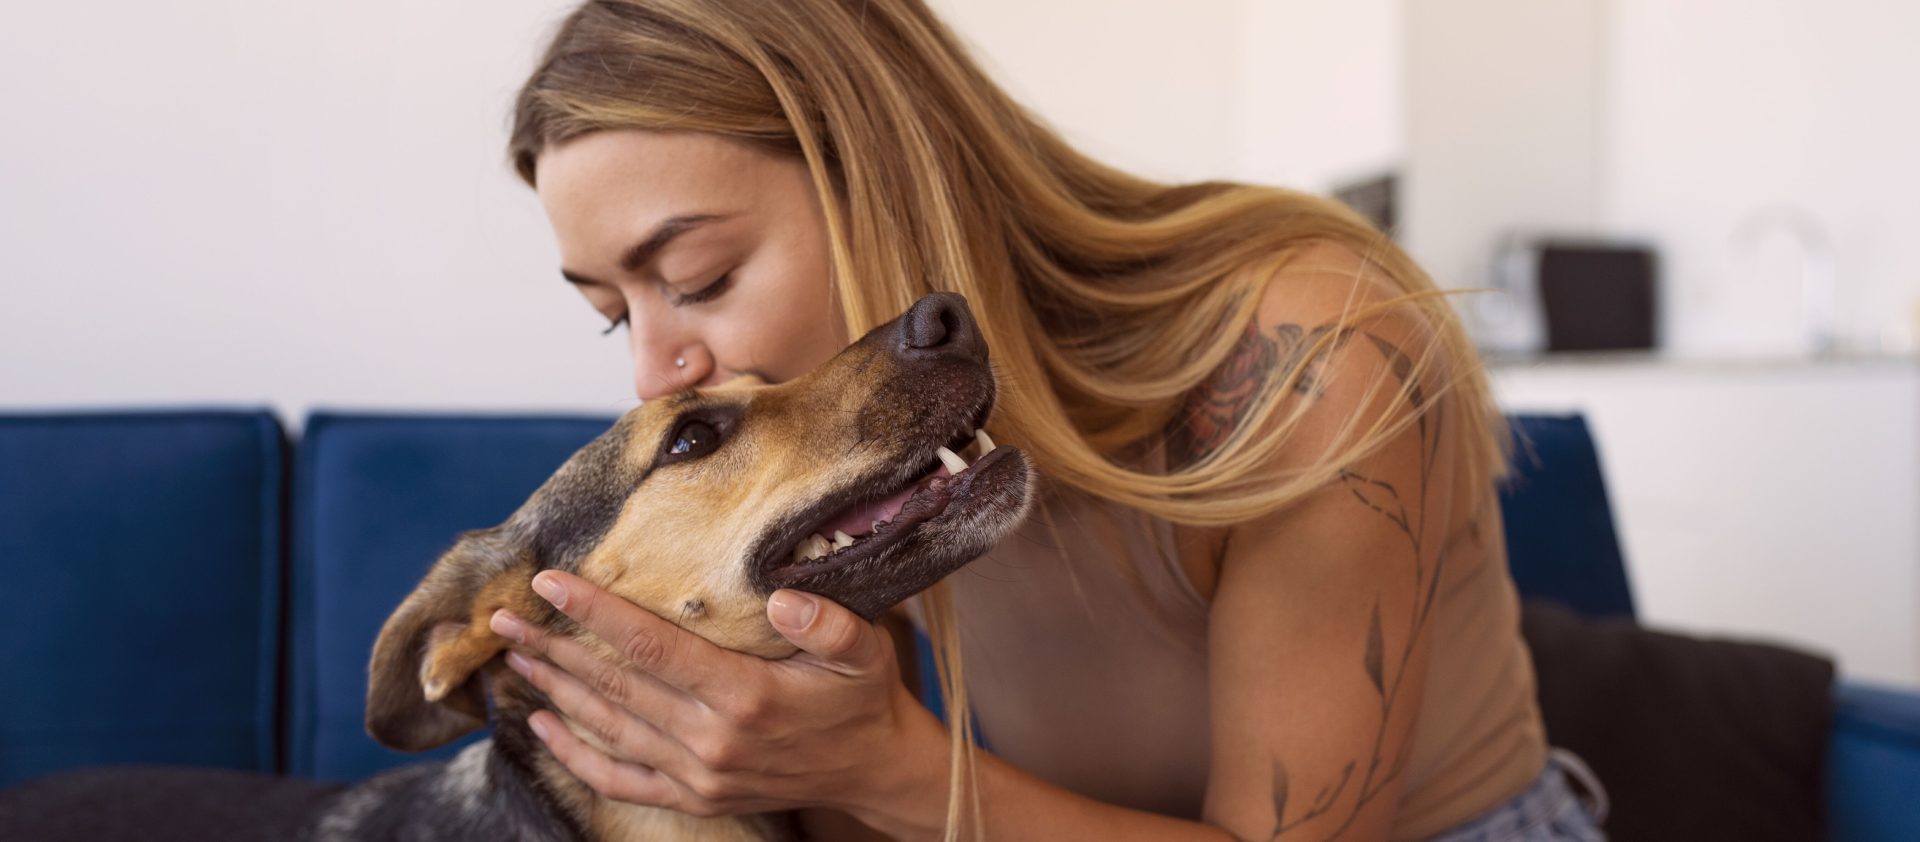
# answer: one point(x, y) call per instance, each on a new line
point(1679, 124)
point(1303, 93)
point(309, 204)
point(1503, 127)
point(1129, 81)
point(1719, 109)
point(279, 203)
point(1324, 94)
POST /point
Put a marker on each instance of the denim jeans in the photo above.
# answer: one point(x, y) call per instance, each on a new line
point(1565, 804)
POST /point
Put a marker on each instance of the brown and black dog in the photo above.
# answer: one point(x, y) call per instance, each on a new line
point(698, 506)
point(852, 482)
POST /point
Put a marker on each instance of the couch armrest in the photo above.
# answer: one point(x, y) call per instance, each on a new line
point(1874, 764)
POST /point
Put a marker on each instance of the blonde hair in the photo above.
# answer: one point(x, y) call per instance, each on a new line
point(1106, 298)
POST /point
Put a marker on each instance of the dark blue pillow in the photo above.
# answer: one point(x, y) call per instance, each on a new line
point(379, 499)
point(141, 601)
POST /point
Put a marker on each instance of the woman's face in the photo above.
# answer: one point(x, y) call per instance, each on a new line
point(713, 252)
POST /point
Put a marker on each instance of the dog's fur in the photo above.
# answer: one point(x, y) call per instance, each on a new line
point(700, 538)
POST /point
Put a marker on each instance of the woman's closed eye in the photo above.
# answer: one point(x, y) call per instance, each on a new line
point(706, 293)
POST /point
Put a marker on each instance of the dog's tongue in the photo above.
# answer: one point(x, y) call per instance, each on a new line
point(858, 520)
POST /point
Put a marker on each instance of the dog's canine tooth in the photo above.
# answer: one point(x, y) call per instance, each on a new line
point(841, 540)
point(986, 444)
point(952, 460)
point(876, 526)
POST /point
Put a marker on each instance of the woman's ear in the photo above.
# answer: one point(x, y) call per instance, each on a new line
point(421, 687)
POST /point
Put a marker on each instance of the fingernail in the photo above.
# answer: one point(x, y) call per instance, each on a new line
point(504, 625)
point(539, 728)
point(520, 664)
point(550, 589)
point(791, 610)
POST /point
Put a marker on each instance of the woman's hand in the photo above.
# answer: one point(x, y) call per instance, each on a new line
point(683, 724)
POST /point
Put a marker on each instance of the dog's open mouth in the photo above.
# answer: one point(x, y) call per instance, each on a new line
point(869, 519)
point(865, 528)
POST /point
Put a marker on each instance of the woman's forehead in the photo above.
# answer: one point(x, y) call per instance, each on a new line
point(650, 167)
point(602, 189)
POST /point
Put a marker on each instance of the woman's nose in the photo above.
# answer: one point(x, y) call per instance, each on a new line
point(660, 373)
point(665, 362)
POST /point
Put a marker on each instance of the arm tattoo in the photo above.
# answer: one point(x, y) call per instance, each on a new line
point(1211, 419)
point(1257, 362)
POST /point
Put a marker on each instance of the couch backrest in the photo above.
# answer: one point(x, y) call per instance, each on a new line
point(1561, 543)
point(170, 526)
point(378, 499)
point(140, 553)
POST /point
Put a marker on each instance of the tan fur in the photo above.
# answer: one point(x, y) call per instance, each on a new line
point(454, 651)
point(774, 466)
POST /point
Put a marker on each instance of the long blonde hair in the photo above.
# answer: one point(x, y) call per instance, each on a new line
point(1106, 298)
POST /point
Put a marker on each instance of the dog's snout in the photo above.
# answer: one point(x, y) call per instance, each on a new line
point(940, 326)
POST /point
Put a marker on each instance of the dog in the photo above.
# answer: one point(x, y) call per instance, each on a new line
point(853, 482)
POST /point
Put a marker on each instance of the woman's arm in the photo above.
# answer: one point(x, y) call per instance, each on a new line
point(1319, 635)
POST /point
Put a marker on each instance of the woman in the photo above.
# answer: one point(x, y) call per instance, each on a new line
point(1265, 592)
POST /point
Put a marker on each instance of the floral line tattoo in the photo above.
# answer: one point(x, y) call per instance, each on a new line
point(1212, 418)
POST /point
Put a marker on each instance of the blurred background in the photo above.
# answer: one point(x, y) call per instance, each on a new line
point(1694, 213)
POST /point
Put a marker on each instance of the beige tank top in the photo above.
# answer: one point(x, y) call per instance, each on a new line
point(1100, 687)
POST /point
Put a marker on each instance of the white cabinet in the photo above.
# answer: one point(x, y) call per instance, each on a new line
point(1777, 500)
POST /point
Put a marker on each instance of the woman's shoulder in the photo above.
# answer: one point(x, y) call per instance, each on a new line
point(1303, 321)
point(1318, 287)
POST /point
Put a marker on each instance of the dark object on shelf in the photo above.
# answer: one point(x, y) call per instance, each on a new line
point(1374, 199)
point(1596, 297)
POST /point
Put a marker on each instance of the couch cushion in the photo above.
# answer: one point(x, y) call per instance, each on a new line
point(379, 499)
point(1693, 739)
point(1874, 765)
point(1560, 540)
point(142, 569)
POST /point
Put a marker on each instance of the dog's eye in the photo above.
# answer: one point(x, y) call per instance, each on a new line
point(694, 438)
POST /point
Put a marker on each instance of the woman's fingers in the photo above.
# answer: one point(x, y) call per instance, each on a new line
point(838, 638)
point(630, 782)
point(695, 791)
point(598, 692)
point(655, 646)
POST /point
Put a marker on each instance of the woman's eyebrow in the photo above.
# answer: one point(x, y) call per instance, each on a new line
point(641, 253)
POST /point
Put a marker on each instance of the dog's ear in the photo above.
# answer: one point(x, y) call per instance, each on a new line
point(421, 687)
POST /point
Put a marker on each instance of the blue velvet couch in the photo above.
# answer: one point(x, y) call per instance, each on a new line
point(194, 587)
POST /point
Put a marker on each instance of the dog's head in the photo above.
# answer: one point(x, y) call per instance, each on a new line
point(699, 505)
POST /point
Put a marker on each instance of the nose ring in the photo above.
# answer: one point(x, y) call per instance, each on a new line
point(679, 362)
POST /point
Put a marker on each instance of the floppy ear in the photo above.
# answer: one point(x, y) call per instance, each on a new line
point(421, 688)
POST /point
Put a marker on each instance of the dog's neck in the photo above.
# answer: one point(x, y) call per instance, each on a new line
point(590, 815)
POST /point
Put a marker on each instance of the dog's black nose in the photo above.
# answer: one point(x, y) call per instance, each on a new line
point(940, 326)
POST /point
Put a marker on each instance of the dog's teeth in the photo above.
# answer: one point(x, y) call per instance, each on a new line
point(876, 527)
point(811, 547)
point(952, 460)
point(841, 540)
point(986, 444)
